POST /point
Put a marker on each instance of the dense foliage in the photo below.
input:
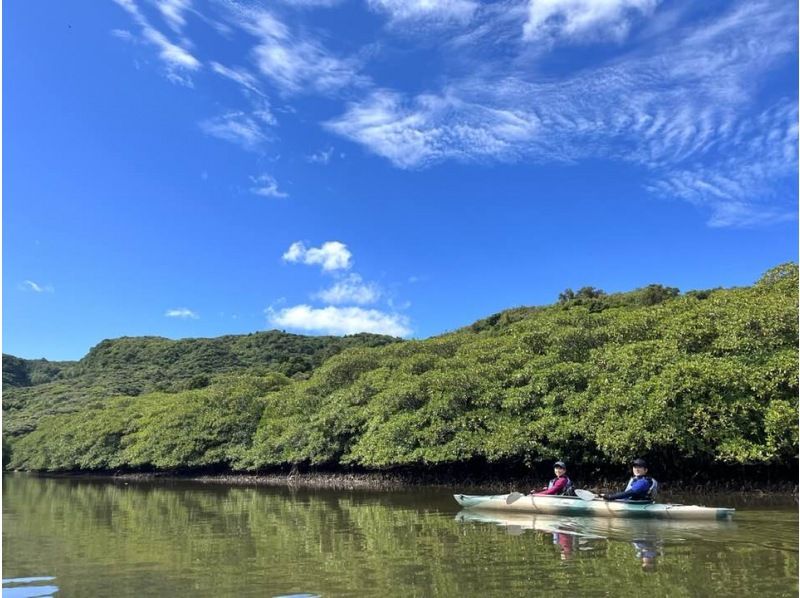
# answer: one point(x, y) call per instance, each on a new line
point(30, 372)
point(33, 389)
point(706, 377)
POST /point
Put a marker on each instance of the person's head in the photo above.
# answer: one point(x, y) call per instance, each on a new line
point(639, 466)
point(560, 467)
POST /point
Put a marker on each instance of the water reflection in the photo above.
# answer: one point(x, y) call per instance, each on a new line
point(647, 551)
point(584, 534)
point(101, 538)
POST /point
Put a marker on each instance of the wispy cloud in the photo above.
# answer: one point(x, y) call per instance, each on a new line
point(428, 129)
point(123, 34)
point(583, 20)
point(670, 117)
point(266, 186)
point(331, 255)
point(321, 157)
point(427, 12)
point(312, 3)
point(178, 60)
point(340, 320)
point(238, 75)
point(246, 130)
point(173, 12)
point(734, 189)
point(351, 289)
point(294, 62)
point(29, 285)
point(182, 313)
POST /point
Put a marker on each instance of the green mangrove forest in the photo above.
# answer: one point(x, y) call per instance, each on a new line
point(703, 377)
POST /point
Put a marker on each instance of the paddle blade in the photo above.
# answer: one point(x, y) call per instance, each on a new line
point(513, 497)
point(585, 495)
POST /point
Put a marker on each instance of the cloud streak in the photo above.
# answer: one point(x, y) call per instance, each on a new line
point(245, 130)
point(293, 62)
point(670, 117)
point(583, 20)
point(183, 313)
point(29, 285)
point(434, 13)
point(178, 60)
point(173, 12)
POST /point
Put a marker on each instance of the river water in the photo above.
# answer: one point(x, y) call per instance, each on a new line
point(77, 537)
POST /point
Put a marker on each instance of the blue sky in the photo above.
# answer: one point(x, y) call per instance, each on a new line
point(189, 169)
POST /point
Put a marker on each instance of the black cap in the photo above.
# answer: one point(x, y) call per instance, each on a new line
point(640, 462)
point(560, 464)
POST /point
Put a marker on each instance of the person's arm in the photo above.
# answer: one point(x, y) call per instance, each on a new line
point(557, 487)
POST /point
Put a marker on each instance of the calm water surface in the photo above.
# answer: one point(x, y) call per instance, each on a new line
point(66, 537)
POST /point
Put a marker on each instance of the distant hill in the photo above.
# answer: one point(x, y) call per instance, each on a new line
point(130, 366)
point(30, 372)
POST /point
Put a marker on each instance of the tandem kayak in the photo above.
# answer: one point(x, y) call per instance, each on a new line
point(572, 505)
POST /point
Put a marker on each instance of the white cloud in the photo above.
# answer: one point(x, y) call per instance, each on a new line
point(123, 34)
point(267, 186)
point(692, 112)
point(583, 20)
point(321, 157)
point(734, 189)
point(430, 128)
point(176, 58)
point(239, 127)
point(173, 11)
point(312, 3)
point(340, 320)
point(181, 312)
point(351, 289)
point(29, 285)
point(296, 63)
point(239, 75)
point(431, 12)
point(332, 255)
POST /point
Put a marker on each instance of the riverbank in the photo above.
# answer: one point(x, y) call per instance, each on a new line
point(388, 481)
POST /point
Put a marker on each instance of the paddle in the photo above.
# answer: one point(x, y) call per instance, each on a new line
point(585, 494)
point(513, 497)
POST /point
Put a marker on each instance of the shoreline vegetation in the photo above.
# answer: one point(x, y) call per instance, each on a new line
point(704, 384)
point(399, 481)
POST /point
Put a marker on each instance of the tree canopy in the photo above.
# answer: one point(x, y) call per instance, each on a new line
point(707, 377)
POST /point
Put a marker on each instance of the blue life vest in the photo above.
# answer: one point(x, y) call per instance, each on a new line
point(651, 491)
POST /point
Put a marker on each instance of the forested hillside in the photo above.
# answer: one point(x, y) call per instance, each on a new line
point(706, 376)
point(126, 366)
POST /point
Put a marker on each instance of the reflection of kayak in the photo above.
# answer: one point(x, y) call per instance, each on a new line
point(571, 505)
point(522, 521)
point(612, 528)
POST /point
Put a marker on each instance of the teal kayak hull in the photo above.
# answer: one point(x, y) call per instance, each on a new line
point(570, 505)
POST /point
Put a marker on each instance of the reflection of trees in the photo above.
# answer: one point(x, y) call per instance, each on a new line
point(101, 538)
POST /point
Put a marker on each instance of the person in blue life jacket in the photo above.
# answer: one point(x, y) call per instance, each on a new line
point(640, 486)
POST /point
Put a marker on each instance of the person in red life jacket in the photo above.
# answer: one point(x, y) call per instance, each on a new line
point(559, 485)
point(640, 486)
